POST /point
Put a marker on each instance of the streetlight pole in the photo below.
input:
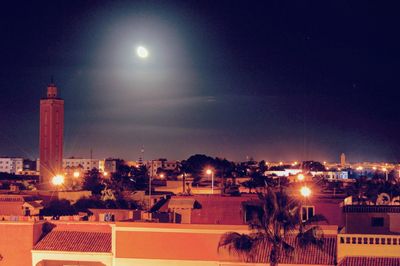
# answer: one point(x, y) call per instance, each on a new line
point(150, 178)
point(211, 172)
point(212, 182)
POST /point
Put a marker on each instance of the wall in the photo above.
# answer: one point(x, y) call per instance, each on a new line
point(365, 245)
point(358, 223)
point(17, 240)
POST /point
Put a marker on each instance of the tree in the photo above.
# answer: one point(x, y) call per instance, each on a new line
point(84, 204)
point(275, 220)
point(57, 208)
point(313, 166)
point(197, 163)
point(262, 167)
point(93, 182)
point(184, 169)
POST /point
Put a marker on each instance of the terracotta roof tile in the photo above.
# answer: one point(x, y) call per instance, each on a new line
point(75, 241)
point(219, 210)
point(369, 261)
point(309, 255)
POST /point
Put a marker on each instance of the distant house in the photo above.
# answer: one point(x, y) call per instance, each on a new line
point(19, 205)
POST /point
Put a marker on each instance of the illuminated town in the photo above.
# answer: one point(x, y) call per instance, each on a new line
point(164, 157)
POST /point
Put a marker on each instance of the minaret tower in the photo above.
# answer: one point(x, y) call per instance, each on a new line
point(51, 136)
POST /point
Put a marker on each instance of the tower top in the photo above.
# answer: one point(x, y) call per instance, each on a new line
point(51, 91)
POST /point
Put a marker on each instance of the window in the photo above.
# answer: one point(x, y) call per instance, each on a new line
point(307, 212)
point(377, 221)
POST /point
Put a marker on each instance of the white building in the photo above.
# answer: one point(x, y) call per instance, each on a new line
point(11, 165)
point(285, 172)
point(84, 164)
point(162, 164)
point(78, 163)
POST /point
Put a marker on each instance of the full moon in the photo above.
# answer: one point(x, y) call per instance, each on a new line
point(142, 52)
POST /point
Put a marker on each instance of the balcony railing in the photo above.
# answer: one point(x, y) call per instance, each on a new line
point(352, 239)
point(371, 208)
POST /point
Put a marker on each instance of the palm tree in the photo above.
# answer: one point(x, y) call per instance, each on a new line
point(274, 223)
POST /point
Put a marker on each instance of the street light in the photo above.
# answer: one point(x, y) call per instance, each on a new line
point(210, 172)
point(300, 177)
point(305, 191)
point(105, 174)
point(76, 174)
point(57, 180)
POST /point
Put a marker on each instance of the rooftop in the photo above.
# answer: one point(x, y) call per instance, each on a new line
point(310, 255)
point(74, 241)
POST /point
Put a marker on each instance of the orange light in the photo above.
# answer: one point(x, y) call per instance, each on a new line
point(76, 174)
point(305, 191)
point(57, 180)
point(208, 171)
point(300, 177)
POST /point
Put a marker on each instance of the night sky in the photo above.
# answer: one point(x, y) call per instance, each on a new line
point(275, 80)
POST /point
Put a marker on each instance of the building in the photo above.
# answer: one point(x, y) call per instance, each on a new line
point(155, 166)
point(370, 235)
point(11, 165)
point(127, 243)
point(51, 136)
point(18, 205)
point(343, 160)
point(111, 165)
point(80, 164)
point(83, 164)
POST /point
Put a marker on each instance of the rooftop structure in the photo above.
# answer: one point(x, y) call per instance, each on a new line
point(51, 136)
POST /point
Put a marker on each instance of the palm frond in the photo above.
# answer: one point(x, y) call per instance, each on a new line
point(236, 243)
point(311, 236)
point(287, 248)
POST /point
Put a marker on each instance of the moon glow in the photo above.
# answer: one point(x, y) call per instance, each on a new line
point(142, 52)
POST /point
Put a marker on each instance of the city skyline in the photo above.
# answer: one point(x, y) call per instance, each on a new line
point(215, 82)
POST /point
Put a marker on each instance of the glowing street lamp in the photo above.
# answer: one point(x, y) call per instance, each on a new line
point(105, 174)
point(305, 191)
point(57, 180)
point(162, 176)
point(76, 174)
point(300, 177)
